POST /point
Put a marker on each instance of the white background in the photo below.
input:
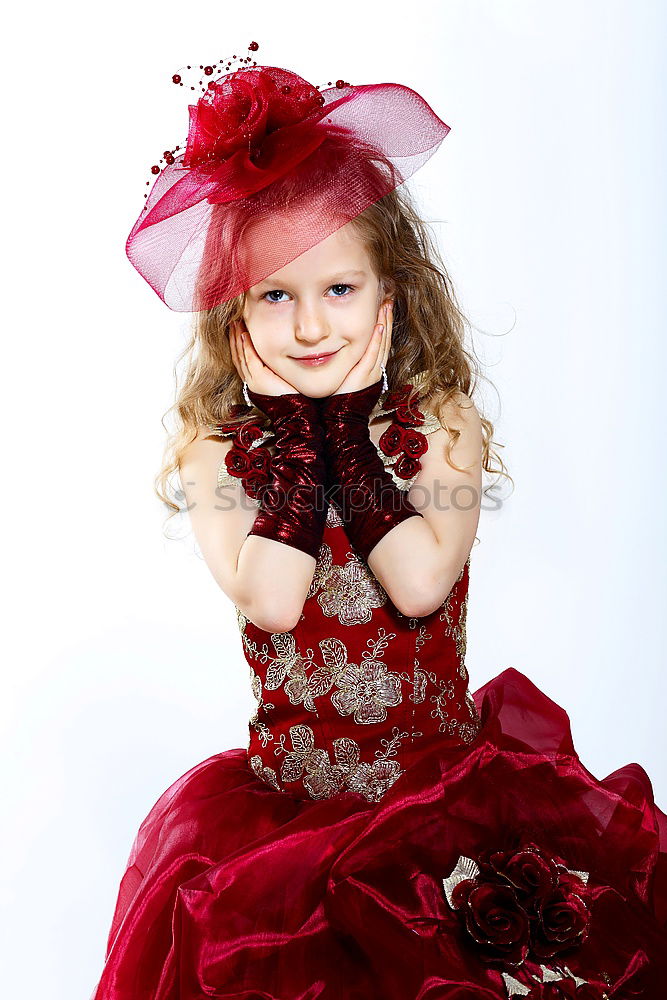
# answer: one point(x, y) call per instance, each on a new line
point(123, 664)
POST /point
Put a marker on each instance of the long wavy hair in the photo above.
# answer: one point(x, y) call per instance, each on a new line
point(428, 346)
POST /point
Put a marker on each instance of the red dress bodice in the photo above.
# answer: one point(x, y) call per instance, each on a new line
point(357, 691)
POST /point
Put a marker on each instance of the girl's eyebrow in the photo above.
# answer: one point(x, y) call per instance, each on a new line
point(333, 278)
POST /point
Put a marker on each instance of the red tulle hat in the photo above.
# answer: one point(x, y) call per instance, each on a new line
point(272, 166)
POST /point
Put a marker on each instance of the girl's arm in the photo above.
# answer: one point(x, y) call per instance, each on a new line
point(420, 559)
point(416, 543)
point(267, 580)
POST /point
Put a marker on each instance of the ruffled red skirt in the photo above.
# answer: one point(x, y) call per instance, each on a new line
point(503, 868)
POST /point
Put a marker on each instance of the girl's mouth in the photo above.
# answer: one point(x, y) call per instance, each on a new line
point(318, 359)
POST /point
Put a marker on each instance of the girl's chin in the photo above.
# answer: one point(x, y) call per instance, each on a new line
point(317, 381)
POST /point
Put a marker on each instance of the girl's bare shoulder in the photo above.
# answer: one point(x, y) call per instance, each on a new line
point(208, 446)
point(458, 412)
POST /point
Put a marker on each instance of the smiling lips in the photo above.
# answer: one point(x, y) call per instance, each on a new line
point(316, 359)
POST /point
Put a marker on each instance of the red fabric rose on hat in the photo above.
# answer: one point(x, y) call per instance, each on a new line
point(240, 110)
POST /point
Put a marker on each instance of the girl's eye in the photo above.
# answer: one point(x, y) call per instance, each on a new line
point(280, 291)
point(274, 291)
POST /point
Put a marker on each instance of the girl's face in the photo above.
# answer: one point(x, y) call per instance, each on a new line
point(324, 302)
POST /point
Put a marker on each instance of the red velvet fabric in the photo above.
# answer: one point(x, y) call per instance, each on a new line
point(369, 502)
point(293, 509)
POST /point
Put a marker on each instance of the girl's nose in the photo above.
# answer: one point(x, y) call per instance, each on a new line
point(309, 326)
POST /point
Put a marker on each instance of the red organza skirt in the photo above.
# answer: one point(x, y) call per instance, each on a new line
point(499, 869)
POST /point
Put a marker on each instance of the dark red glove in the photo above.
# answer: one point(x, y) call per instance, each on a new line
point(293, 508)
point(370, 502)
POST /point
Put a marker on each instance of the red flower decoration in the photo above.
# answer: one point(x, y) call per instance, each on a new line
point(400, 438)
point(494, 918)
point(563, 989)
point(407, 467)
point(563, 922)
point(248, 433)
point(391, 441)
point(408, 413)
point(252, 465)
point(238, 462)
point(239, 111)
point(532, 875)
point(397, 396)
point(414, 443)
point(552, 899)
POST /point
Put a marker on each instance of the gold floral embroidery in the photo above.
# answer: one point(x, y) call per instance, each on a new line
point(324, 779)
point(323, 566)
point(287, 660)
point(367, 689)
point(256, 688)
point(241, 619)
point(419, 681)
point(334, 519)
point(302, 687)
point(422, 637)
point(267, 774)
point(462, 637)
point(351, 592)
point(469, 730)
point(263, 731)
point(456, 629)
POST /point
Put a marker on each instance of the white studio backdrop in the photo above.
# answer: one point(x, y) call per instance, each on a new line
point(123, 663)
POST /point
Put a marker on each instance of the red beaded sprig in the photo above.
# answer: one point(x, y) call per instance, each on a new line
point(400, 438)
point(222, 67)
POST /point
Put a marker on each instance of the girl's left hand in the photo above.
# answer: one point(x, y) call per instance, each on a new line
point(367, 370)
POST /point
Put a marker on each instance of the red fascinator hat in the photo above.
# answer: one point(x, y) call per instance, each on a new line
point(272, 166)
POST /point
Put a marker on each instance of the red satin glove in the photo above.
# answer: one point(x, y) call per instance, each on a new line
point(370, 502)
point(293, 508)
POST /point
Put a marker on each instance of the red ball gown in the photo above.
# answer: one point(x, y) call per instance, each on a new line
point(387, 834)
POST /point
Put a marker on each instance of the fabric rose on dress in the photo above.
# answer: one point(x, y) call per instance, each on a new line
point(391, 441)
point(563, 923)
point(259, 474)
point(400, 440)
point(397, 396)
point(248, 461)
point(564, 989)
point(414, 443)
point(248, 433)
point(408, 413)
point(494, 919)
point(521, 904)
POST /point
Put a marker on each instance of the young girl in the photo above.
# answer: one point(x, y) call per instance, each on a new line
point(386, 833)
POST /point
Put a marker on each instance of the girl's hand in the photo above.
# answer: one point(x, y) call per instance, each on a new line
point(251, 368)
point(367, 370)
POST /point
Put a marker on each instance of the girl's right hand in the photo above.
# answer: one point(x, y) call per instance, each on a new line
point(251, 368)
